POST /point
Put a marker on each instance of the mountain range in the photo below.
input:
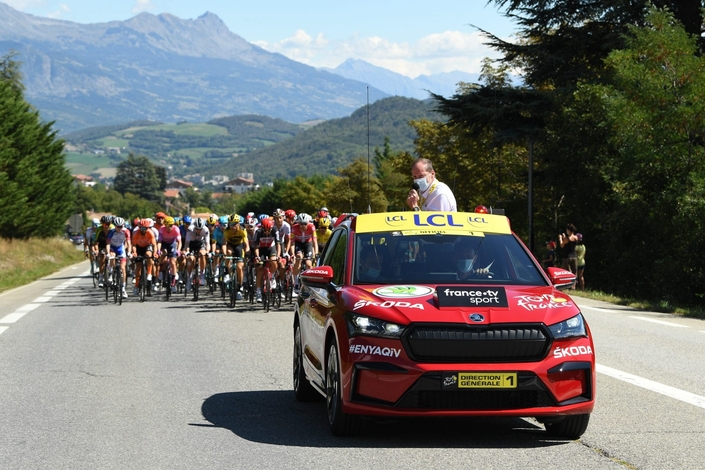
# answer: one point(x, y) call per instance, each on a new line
point(163, 68)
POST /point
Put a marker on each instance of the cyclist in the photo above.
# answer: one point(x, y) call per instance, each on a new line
point(144, 242)
point(118, 242)
point(88, 236)
point(267, 249)
point(290, 216)
point(284, 237)
point(235, 244)
point(323, 232)
point(305, 244)
point(98, 244)
point(197, 241)
point(169, 245)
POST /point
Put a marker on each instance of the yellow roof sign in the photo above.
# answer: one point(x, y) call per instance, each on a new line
point(426, 222)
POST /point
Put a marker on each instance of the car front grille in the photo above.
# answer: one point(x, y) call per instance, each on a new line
point(468, 343)
point(475, 400)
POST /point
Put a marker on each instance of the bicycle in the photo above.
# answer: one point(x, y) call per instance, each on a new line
point(116, 280)
point(210, 277)
point(143, 288)
point(249, 282)
point(269, 285)
point(107, 277)
point(95, 269)
point(288, 282)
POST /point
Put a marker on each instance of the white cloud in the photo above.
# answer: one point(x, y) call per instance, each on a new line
point(63, 8)
point(142, 5)
point(435, 53)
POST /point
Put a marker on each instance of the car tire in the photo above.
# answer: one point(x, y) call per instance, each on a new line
point(341, 424)
point(303, 390)
point(572, 427)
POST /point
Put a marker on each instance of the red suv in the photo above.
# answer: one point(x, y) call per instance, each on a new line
point(440, 314)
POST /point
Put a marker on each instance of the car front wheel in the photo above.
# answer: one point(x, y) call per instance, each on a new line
point(341, 424)
point(572, 427)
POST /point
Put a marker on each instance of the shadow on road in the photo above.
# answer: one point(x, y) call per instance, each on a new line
point(275, 417)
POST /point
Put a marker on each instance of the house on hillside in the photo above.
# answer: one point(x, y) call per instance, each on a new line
point(85, 180)
point(171, 194)
point(179, 184)
point(239, 185)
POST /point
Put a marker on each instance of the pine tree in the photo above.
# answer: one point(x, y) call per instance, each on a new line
point(37, 194)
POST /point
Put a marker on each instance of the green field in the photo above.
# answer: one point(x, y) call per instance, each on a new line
point(201, 130)
point(87, 163)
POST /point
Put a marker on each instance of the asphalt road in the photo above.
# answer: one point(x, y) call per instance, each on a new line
point(88, 384)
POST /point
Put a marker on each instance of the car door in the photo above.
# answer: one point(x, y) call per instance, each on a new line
point(318, 305)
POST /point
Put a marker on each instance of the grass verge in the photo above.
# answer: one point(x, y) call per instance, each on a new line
point(662, 306)
point(24, 261)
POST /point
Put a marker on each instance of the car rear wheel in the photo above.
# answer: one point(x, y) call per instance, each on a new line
point(341, 424)
point(572, 427)
point(303, 389)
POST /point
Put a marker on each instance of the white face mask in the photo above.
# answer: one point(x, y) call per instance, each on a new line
point(423, 184)
point(465, 265)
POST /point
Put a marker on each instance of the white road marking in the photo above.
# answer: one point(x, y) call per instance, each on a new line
point(682, 395)
point(660, 322)
point(42, 299)
point(3, 328)
point(12, 317)
point(27, 308)
point(52, 293)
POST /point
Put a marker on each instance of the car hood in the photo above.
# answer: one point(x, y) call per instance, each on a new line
point(480, 304)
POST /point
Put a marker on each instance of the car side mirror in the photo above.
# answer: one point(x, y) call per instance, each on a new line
point(317, 276)
point(561, 278)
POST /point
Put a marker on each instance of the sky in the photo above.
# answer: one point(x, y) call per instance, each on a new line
point(410, 37)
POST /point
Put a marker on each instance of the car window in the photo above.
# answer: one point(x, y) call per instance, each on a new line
point(335, 257)
point(324, 260)
point(434, 259)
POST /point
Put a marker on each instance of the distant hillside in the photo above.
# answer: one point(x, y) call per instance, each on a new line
point(186, 148)
point(163, 68)
point(335, 143)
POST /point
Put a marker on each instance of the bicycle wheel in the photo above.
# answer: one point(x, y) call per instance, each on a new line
point(114, 283)
point(95, 272)
point(196, 282)
point(167, 284)
point(106, 281)
point(232, 286)
point(143, 281)
point(120, 285)
point(277, 292)
point(266, 289)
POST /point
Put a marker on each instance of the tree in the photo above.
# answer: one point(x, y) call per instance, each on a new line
point(138, 176)
point(355, 190)
point(656, 110)
point(36, 194)
point(393, 169)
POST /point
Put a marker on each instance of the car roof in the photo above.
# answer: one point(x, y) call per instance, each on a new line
point(426, 222)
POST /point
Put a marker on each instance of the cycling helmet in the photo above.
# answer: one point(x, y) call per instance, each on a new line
point(188, 219)
point(213, 216)
point(106, 219)
point(278, 213)
point(267, 224)
point(324, 222)
point(136, 222)
point(234, 219)
point(251, 222)
point(119, 222)
point(199, 223)
point(223, 220)
point(213, 219)
point(177, 221)
point(303, 218)
point(96, 222)
point(290, 213)
point(151, 223)
point(169, 220)
point(146, 223)
point(261, 217)
point(160, 214)
point(251, 214)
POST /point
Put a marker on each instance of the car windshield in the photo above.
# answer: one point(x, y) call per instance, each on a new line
point(391, 257)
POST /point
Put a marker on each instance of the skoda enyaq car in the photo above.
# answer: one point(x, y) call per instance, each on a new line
point(440, 314)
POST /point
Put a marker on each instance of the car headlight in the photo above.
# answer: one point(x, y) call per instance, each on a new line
point(362, 325)
point(570, 328)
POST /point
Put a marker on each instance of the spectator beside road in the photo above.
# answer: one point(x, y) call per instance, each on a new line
point(580, 252)
point(427, 193)
point(550, 260)
point(568, 240)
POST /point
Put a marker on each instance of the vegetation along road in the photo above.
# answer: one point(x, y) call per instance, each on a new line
point(89, 384)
